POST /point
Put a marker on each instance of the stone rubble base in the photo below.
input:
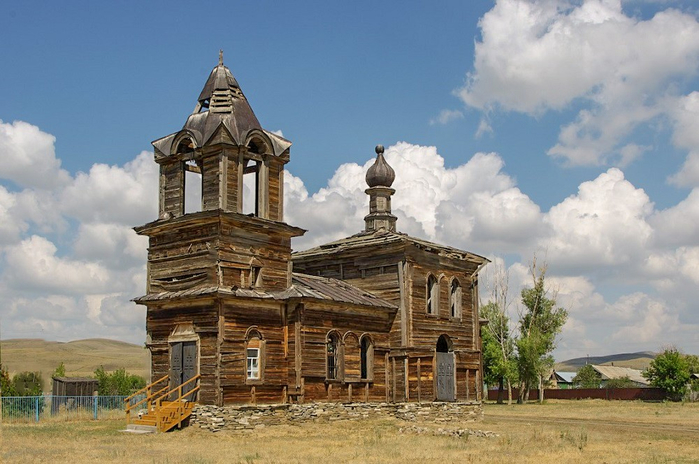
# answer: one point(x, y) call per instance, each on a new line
point(456, 433)
point(216, 418)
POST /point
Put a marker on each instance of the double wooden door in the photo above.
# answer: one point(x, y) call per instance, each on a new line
point(183, 365)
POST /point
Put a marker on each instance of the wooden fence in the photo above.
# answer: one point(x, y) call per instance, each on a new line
point(645, 394)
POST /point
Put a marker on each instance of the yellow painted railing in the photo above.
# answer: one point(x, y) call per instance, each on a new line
point(150, 394)
point(178, 408)
point(166, 407)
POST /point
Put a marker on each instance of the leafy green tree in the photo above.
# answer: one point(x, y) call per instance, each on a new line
point(670, 371)
point(6, 386)
point(621, 382)
point(60, 370)
point(118, 382)
point(28, 384)
point(498, 350)
point(540, 322)
point(693, 362)
point(587, 377)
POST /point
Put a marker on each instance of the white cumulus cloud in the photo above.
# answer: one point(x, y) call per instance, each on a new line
point(550, 55)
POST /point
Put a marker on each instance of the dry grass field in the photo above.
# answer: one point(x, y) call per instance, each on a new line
point(81, 357)
point(574, 431)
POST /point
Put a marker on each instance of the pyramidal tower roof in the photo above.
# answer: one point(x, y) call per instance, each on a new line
point(221, 103)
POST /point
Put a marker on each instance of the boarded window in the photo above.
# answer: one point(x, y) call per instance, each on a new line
point(352, 357)
point(367, 359)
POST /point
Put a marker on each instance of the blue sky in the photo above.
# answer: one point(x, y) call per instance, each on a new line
point(565, 129)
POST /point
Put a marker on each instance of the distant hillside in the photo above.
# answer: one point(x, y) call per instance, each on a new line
point(80, 357)
point(639, 360)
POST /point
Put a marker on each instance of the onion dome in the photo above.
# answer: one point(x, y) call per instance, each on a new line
point(380, 174)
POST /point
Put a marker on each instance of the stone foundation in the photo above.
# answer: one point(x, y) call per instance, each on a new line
point(216, 418)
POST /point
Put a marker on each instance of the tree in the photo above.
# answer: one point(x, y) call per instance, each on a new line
point(620, 382)
point(498, 351)
point(28, 384)
point(670, 371)
point(540, 321)
point(6, 387)
point(498, 345)
point(60, 370)
point(587, 377)
point(119, 382)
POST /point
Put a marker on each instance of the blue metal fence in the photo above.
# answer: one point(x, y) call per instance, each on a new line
point(50, 407)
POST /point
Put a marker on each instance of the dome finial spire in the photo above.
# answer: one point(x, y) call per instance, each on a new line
point(380, 173)
point(220, 57)
point(379, 178)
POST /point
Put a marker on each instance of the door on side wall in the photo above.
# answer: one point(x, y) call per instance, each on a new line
point(445, 370)
point(183, 366)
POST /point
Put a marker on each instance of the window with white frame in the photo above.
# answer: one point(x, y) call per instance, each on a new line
point(254, 356)
point(253, 363)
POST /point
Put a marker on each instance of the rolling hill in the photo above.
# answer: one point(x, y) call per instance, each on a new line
point(80, 357)
point(639, 360)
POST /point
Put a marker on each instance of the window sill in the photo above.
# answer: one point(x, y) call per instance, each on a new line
point(254, 381)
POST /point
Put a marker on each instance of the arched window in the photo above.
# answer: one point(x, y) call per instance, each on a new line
point(367, 358)
point(455, 298)
point(444, 344)
point(255, 178)
point(251, 189)
point(432, 295)
point(332, 355)
point(254, 355)
point(193, 180)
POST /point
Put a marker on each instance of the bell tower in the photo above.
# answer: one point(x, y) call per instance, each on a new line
point(224, 144)
point(233, 169)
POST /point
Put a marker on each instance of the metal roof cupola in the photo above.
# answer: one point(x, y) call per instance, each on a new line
point(221, 101)
point(379, 178)
point(221, 143)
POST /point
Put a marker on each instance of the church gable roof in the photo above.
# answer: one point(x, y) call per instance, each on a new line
point(382, 238)
point(324, 288)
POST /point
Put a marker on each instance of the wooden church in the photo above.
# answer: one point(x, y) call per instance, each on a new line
point(378, 316)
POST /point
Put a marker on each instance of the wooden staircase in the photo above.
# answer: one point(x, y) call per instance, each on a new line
point(163, 409)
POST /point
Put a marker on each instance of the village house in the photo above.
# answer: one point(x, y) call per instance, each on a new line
point(378, 316)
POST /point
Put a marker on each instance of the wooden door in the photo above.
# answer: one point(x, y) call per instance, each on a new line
point(445, 377)
point(183, 365)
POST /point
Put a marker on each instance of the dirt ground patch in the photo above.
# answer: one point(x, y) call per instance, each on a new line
point(566, 431)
